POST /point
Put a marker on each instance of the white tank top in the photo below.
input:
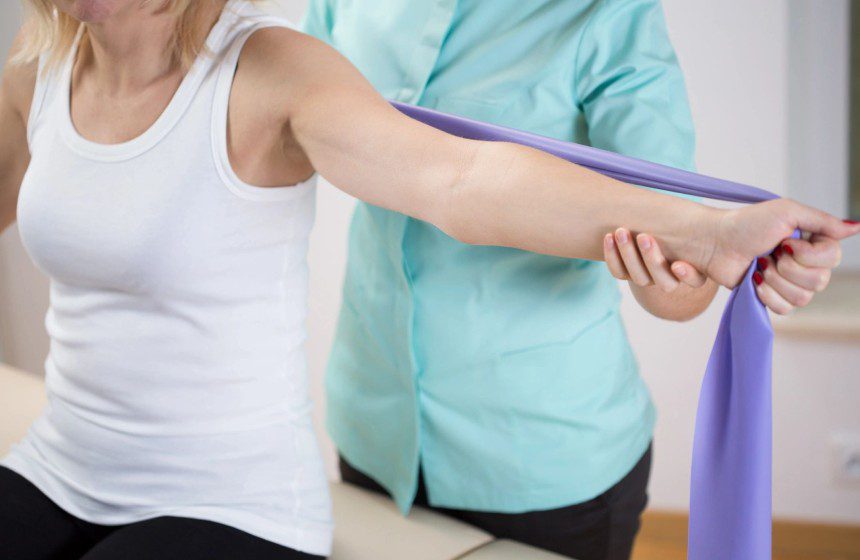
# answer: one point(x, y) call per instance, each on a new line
point(176, 375)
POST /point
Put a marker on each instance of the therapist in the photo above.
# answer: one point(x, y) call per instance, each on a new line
point(494, 384)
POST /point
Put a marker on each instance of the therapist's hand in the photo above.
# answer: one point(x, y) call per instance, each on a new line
point(640, 261)
point(670, 290)
point(798, 269)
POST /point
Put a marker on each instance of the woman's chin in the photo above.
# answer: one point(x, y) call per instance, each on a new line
point(89, 11)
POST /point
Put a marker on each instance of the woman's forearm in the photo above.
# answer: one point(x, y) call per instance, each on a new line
point(7, 217)
point(11, 173)
point(516, 196)
point(488, 193)
point(13, 164)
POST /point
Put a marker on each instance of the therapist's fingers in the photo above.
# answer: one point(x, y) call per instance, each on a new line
point(770, 297)
point(613, 258)
point(687, 273)
point(636, 269)
point(656, 263)
point(817, 252)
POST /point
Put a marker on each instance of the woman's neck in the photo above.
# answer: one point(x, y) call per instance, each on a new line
point(133, 48)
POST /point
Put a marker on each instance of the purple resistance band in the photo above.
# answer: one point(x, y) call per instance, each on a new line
point(730, 493)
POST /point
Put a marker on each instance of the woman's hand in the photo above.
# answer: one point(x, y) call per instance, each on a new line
point(798, 269)
point(789, 278)
point(743, 234)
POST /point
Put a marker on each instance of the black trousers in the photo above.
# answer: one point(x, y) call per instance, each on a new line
point(32, 527)
point(602, 528)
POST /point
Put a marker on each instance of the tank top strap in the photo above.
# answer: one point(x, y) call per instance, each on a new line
point(45, 92)
point(39, 94)
point(53, 93)
point(248, 19)
point(251, 20)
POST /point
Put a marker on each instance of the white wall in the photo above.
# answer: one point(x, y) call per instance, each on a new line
point(738, 75)
point(818, 105)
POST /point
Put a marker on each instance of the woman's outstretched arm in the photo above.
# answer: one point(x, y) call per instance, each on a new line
point(16, 92)
point(493, 193)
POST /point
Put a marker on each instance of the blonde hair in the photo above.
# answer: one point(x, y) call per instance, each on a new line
point(50, 31)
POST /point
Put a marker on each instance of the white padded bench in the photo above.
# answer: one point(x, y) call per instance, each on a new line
point(368, 525)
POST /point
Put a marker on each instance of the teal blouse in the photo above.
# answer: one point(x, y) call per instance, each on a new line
point(505, 377)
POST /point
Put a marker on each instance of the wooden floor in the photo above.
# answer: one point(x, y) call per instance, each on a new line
point(664, 535)
point(647, 550)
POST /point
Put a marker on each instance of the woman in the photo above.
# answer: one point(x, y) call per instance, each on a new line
point(149, 176)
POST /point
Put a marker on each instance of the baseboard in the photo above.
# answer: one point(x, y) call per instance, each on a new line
point(790, 538)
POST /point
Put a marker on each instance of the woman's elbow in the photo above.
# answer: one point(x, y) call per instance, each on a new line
point(462, 208)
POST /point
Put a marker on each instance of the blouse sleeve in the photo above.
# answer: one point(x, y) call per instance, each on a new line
point(319, 19)
point(630, 86)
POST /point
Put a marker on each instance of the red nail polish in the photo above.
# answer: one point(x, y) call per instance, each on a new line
point(851, 222)
point(788, 249)
point(762, 263)
point(777, 253)
point(757, 278)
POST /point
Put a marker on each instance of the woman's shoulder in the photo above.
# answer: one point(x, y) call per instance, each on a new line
point(275, 62)
point(273, 47)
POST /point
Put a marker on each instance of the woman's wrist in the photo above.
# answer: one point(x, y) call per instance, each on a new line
point(706, 227)
point(694, 235)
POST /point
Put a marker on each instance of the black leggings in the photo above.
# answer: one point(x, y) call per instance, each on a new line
point(603, 528)
point(32, 527)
